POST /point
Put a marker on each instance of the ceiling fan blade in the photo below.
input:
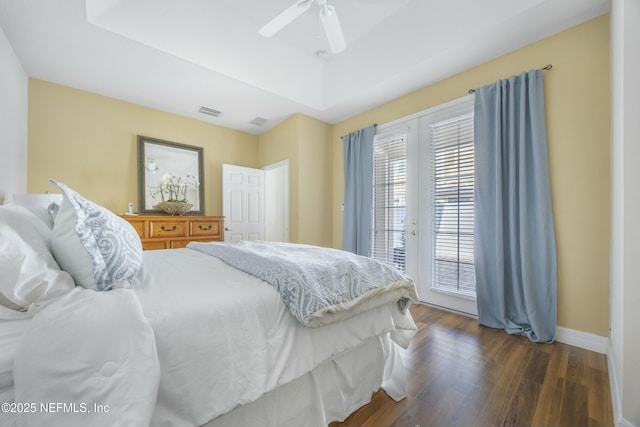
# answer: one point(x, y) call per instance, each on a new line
point(332, 28)
point(286, 17)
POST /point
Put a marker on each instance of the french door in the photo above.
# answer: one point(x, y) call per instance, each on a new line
point(423, 202)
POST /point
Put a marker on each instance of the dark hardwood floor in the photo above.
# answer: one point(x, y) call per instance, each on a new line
point(463, 374)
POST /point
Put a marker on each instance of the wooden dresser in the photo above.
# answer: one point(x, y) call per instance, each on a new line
point(170, 232)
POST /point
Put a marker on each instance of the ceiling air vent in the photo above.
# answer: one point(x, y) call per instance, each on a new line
point(210, 111)
point(258, 121)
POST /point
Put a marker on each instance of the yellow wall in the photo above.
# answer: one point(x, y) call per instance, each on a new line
point(88, 142)
point(577, 99)
point(276, 145)
point(315, 182)
point(305, 142)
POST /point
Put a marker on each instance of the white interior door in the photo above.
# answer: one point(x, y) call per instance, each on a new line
point(243, 204)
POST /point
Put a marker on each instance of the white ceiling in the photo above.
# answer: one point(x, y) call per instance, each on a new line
point(178, 55)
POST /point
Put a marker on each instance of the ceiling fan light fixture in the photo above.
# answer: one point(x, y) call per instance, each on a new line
point(286, 17)
point(326, 13)
point(327, 9)
point(332, 28)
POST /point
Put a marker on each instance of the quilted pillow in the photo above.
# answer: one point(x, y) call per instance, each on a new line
point(29, 273)
point(99, 249)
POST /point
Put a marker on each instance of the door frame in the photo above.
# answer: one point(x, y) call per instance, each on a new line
point(281, 193)
point(270, 193)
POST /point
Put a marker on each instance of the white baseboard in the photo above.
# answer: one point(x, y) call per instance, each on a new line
point(616, 402)
point(581, 339)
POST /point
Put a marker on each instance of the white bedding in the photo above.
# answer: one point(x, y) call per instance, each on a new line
point(319, 285)
point(12, 326)
point(186, 340)
point(225, 338)
point(194, 340)
point(86, 359)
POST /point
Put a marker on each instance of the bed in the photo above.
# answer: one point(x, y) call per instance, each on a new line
point(93, 331)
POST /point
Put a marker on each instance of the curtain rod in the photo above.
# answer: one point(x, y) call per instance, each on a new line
point(547, 68)
point(375, 125)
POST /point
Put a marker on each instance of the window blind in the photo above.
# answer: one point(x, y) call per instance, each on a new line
point(453, 182)
point(389, 200)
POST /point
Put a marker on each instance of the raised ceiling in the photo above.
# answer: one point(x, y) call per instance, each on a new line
point(177, 56)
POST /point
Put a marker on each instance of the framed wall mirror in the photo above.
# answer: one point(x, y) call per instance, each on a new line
point(169, 172)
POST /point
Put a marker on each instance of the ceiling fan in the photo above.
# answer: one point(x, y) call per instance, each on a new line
point(326, 13)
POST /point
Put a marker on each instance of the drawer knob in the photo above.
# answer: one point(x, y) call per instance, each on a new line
point(164, 229)
point(202, 227)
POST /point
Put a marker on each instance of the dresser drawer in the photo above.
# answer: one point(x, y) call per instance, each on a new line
point(149, 245)
point(202, 228)
point(167, 228)
point(171, 232)
point(177, 244)
point(139, 227)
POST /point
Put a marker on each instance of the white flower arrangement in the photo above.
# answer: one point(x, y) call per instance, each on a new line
point(173, 188)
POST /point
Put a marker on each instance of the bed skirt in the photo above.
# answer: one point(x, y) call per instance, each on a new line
point(330, 392)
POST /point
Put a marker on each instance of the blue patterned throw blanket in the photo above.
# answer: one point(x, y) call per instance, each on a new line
point(319, 285)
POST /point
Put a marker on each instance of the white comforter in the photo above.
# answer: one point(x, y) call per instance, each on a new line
point(86, 359)
point(225, 337)
point(222, 338)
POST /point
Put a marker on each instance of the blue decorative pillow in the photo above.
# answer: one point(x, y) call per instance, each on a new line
point(98, 248)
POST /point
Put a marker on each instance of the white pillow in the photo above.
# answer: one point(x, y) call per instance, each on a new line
point(36, 204)
point(53, 209)
point(29, 273)
point(98, 248)
point(25, 221)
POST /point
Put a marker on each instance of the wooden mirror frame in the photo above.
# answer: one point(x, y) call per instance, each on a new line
point(168, 157)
